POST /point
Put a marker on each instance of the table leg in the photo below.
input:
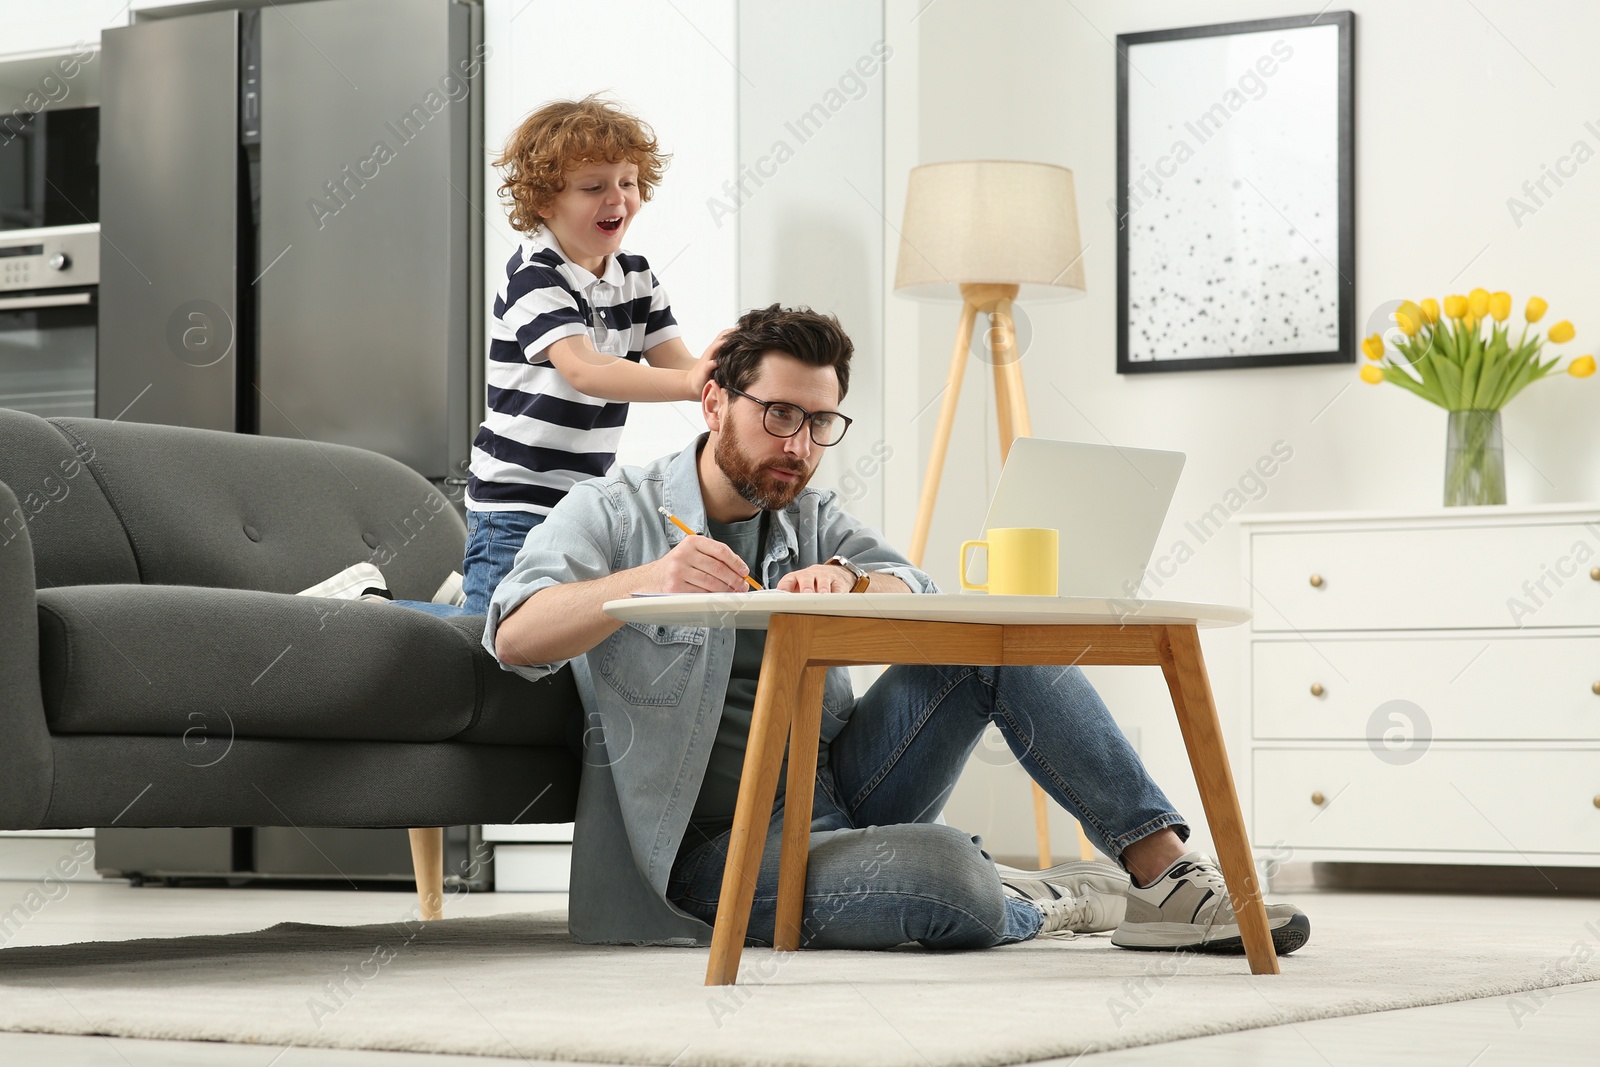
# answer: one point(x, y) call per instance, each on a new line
point(1185, 672)
point(782, 665)
point(804, 735)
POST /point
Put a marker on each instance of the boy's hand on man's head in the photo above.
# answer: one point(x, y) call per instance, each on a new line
point(705, 366)
point(697, 376)
point(697, 565)
point(716, 344)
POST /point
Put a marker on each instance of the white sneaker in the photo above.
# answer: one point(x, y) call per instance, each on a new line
point(1189, 907)
point(1081, 897)
point(450, 591)
point(362, 581)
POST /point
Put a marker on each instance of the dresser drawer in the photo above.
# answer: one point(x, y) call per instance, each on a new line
point(1526, 800)
point(1511, 576)
point(1469, 688)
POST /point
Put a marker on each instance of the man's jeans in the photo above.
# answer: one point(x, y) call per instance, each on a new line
point(881, 872)
point(493, 539)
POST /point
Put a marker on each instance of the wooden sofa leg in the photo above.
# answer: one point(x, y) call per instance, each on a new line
point(427, 861)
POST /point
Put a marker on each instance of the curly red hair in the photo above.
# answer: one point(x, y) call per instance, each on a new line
point(562, 136)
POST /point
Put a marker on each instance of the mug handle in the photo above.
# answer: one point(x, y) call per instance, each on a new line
point(966, 585)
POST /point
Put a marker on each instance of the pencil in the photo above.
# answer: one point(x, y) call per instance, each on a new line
point(679, 524)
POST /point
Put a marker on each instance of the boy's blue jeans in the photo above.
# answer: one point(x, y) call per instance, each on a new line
point(493, 539)
point(881, 872)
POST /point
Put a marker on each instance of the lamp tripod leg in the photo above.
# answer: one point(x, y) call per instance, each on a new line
point(1011, 398)
point(941, 434)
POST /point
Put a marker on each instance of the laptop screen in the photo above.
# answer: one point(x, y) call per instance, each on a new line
point(1108, 502)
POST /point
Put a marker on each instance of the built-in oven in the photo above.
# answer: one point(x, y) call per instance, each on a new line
point(49, 279)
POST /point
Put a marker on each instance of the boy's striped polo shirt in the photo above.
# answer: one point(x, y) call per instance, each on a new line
point(540, 436)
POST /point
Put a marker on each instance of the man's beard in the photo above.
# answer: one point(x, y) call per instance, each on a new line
point(751, 480)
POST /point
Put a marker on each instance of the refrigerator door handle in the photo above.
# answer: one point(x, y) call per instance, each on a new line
point(29, 303)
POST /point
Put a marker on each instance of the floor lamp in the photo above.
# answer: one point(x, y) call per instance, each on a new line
point(986, 232)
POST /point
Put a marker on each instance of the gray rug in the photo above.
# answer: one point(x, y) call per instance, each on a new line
point(514, 986)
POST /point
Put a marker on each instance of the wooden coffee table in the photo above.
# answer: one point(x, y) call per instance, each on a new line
point(810, 632)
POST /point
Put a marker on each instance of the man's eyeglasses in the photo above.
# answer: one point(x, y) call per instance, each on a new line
point(782, 419)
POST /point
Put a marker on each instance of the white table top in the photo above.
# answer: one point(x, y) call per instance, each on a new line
point(752, 610)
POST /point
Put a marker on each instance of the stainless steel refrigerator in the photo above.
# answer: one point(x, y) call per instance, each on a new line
point(291, 224)
point(290, 245)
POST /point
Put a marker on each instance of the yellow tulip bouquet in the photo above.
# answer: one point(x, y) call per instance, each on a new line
point(1450, 362)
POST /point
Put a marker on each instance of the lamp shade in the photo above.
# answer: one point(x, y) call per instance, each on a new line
point(994, 221)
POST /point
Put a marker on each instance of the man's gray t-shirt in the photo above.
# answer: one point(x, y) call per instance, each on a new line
point(713, 809)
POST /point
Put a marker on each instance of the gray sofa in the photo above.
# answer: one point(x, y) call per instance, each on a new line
point(156, 671)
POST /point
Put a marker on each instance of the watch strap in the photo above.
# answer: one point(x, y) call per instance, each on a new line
point(863, 579)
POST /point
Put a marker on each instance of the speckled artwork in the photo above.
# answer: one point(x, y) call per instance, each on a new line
point(1232, 208)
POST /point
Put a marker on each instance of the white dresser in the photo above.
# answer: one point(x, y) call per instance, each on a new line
point(1424, 687)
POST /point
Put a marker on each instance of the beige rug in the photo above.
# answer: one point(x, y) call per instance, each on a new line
point(514, 986)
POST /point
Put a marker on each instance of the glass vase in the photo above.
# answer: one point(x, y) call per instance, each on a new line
point(1474, 459)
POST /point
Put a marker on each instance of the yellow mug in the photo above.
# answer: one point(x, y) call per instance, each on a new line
point(1023, 560)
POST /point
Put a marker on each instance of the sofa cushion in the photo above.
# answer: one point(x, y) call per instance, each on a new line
point(198, 664)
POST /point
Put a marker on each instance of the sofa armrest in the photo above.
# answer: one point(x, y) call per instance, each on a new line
point(26, 770)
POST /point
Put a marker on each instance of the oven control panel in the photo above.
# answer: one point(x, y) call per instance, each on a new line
point(55, 257)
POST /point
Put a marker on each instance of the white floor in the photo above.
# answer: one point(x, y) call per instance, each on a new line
point(1560, 1028)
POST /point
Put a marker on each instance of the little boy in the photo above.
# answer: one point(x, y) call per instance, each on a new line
point(574, 317)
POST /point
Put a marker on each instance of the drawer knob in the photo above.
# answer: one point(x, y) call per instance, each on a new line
point(1318, 799)
point(1594, 573)
point(1597, 801)
point(1317, 690)
point(1594, 687)
point(1316, 580)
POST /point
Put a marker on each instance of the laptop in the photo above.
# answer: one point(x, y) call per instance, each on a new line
point(1108, 502)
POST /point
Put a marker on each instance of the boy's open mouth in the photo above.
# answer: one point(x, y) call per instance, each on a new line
point(610, 225)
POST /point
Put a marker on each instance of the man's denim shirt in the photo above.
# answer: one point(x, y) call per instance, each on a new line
point(652, 695)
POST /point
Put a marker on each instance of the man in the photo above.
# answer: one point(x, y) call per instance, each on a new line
point(668, 707)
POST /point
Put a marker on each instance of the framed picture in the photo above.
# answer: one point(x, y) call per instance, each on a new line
point(1235, 204)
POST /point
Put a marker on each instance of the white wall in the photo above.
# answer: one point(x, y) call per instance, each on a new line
point(50, 27)
point(30, 27)
point(1455, 108)
point(672, 66)
point(811, 130)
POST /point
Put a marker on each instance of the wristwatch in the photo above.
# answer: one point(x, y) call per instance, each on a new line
point(863, 579)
